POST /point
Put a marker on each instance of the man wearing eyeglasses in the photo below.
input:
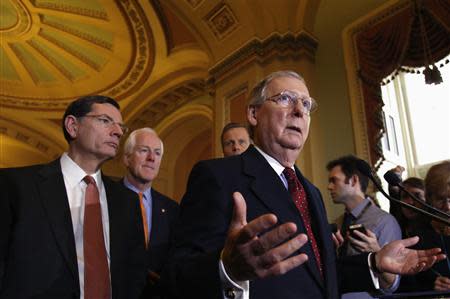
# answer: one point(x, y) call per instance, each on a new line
point(66, 230)
point(251, 226)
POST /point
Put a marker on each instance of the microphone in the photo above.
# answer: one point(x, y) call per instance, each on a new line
point(393, 179)
point(366, 170)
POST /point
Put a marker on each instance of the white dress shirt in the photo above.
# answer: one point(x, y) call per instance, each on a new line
point(75, 189)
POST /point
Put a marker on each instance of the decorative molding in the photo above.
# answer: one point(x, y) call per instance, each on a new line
point(23, 24)
point(221, 21)
point(167, 103)
point(137, 71)
point(78, 54)
point(302, 44)
point(18, 51)
point(64, 7)
point(81, 34)
point(194, 3)
point(52, 60)
point(34, 104)
point(164, 23)
point(29, 137)
point(142, 65)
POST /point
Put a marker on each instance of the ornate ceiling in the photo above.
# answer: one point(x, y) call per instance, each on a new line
point(55, 51)
point(153, 56)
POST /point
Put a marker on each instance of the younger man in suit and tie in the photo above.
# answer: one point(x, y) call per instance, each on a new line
point(228, 241)
point(67, 231)
point(143, 152)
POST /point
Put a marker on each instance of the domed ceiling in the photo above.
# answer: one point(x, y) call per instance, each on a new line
point(153, 56)
point(53, 51)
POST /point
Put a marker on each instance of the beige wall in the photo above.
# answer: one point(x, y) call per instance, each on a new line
point(333, 119)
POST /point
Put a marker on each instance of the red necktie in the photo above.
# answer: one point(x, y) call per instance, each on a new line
point(97, 284)
point(299, 197)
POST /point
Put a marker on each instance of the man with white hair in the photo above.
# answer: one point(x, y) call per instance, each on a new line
point(143, 153)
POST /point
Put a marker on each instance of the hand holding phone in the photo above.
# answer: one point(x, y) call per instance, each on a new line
point(363, 239)
point(359, 227)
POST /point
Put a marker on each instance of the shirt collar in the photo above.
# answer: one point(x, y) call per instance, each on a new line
point(74, 174)
point(277, 167)
point(359, 208)
point(147, 192)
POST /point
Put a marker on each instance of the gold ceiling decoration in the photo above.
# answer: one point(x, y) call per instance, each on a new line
point(52, 51)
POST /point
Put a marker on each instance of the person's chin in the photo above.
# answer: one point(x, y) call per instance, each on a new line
point(109, 153)
point(293, 144)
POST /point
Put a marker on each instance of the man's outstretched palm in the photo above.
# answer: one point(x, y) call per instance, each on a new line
point(396, 258)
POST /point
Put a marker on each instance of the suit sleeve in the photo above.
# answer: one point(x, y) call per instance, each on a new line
point(5, 224)
point(201, 229)
point(354, 274)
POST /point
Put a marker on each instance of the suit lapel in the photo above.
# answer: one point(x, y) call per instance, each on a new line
point(157, 217)
point(52, 191)
point(114, 212)
point(269, 189)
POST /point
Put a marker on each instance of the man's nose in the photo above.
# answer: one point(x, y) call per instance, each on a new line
point(150, 156)
point(298, 110)
point(117, 130)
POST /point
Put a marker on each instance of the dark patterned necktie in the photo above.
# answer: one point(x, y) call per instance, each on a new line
point(299, 197)
point(348, 220)
point(97, 284)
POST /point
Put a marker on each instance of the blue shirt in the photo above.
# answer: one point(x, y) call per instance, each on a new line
point(147, 200)
point(384, 226)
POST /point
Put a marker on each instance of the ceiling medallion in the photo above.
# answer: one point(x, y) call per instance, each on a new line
point(53, 51)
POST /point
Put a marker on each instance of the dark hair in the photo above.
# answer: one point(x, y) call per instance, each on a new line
point(82, 106)
point(437, 180)
point(413, 182)
point(349, 167)
point(233, 125)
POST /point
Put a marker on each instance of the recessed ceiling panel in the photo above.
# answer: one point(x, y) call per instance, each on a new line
point(53, 51)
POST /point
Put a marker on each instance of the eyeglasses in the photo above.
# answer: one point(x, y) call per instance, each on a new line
point(107, 121)
point(289, 98)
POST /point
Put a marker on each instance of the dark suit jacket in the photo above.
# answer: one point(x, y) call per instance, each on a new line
point(37, 246)
point(205, 214)
point(164, 213)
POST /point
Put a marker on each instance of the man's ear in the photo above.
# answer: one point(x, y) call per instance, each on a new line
point(354, 180)
point(125, 160)
point(71, 124)
point(251, 115)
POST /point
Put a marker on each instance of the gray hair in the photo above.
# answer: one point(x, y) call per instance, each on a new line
point(258, 94)
point(131, 140)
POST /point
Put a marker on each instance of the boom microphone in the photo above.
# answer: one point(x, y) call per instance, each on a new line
point(393, 179)
point(366, 170)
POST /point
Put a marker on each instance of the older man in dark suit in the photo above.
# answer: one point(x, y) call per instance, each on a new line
point(253, 226)
point(143, 152)
point(66, 230)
